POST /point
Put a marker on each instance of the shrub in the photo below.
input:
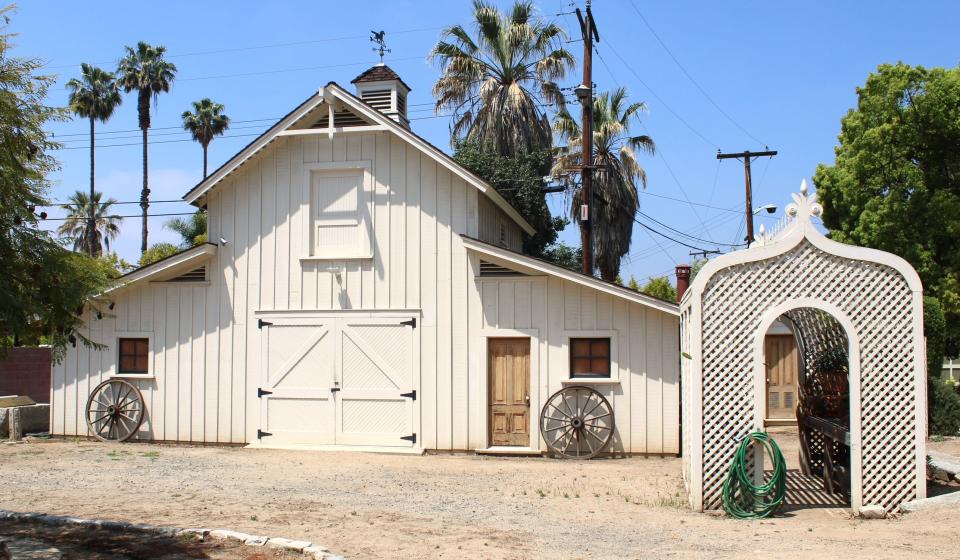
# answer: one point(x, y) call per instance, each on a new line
point(944, 410)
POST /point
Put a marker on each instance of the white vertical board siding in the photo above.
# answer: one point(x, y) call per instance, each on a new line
point(206, 341)
point(646, 399)
point(490, 220)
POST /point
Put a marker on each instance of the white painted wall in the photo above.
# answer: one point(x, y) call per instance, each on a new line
point(205, 338)
point(644, 386)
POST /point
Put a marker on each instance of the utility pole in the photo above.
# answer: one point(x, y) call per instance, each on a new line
point(584, 94)
point(747, 155)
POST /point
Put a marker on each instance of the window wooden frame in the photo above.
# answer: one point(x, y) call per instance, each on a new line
point(593, 350)
point(117, 370)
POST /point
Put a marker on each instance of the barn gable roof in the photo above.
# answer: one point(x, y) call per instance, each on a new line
point(543, 267)
point(332, 92)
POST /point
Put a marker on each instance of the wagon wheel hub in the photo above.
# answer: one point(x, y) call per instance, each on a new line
point(112, 410)
point(577, 423)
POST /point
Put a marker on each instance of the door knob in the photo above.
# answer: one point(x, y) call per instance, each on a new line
point(527, 399)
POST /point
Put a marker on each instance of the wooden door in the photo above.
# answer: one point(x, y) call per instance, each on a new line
point(782, 362)
point(508, 362)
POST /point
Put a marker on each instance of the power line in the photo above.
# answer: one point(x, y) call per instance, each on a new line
point(269, 46)
point(117, 202)
point(124, 216)
point(284, 70)
point(689, 77)
point(660, 99)
point(180, 133)
point(651, 218)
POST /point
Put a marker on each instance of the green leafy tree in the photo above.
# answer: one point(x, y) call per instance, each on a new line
point(204, 123)
point(193, 230)
point(895, 184)
point(46, 288)
point(615, 179)
point(76, 226)
point(145, 70)
point(497, 80)
point(158, 252)
point(660, 288)
point(94, 96)
point(520, 180)
point(564, 255)
point(633, 284)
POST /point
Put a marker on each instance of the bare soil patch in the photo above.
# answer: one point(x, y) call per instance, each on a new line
point(440, 506)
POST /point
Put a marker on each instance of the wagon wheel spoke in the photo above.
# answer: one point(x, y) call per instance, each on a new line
point(114, 410)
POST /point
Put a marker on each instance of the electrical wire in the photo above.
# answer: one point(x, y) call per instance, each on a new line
point(269, 46)
point(708, 241)
point(689, 77)
point(660, 99)
point(123, 216)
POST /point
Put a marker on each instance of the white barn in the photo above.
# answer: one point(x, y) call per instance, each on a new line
point(367, 291)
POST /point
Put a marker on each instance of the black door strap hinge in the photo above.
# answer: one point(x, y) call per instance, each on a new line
point(261, 323)
point(334, 389)
point(412, 438)
point(261, 393)
point(261, 433)
point(410, 395)
point(410, 323)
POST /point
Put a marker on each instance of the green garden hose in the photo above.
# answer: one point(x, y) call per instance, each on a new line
point(741, 498)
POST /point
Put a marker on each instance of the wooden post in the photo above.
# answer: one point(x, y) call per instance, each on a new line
point(747, 155)
point(586, 143)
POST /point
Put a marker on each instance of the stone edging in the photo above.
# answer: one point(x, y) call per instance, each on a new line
point(306, 548)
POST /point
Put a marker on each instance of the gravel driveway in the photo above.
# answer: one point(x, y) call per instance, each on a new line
point(396, 506)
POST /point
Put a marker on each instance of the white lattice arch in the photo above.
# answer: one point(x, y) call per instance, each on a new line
point(877, 299)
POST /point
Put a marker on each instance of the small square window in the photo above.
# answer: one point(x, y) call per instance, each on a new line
point(589, 357)
point(134, 355)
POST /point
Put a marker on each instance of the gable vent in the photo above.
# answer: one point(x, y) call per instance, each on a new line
point(491, 269)
point(341, 119)
point(195, 275)
point(379, 99)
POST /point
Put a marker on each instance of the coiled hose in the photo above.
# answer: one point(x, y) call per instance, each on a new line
point(741, 498)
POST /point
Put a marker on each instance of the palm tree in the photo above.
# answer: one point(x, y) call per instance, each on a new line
point(145, 70)
point(76, 227)
point(204, 123)
point(615, 177)
point(93, 96)
point(193, 231)
point(498, 83)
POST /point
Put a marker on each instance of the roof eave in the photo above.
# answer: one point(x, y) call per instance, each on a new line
point(553, 270)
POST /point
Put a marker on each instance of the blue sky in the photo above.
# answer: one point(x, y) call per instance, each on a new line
point(784, 76)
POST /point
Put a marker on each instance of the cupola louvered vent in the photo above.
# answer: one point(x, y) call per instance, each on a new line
point(381, 88)
point(195, 275)
point(341, 119)
point(379, 99)
point(491, 269)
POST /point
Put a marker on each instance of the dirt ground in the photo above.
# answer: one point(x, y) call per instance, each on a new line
point(366, 505)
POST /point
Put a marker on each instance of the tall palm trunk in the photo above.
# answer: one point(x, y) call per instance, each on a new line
point(205, 160)
point(92, 224)
point(143, 108)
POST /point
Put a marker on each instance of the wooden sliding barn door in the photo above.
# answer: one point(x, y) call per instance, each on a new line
point(509, 377)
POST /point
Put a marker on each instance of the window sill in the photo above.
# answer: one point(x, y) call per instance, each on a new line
point(590, 381)
point(334, 257)
point(133, 375)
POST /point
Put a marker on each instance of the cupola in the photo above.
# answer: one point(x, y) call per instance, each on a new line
point(381, 88)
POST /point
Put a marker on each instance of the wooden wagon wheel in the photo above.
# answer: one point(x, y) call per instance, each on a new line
point(577, 423)
point(114, 410)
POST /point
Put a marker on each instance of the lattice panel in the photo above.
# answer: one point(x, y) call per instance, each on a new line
point(876, 298)
point(820, 334)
